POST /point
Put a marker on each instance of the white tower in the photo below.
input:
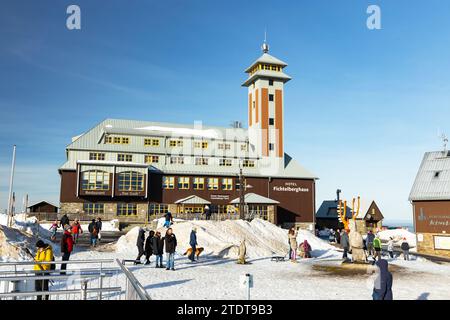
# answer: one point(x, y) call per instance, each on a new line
point(265, 85)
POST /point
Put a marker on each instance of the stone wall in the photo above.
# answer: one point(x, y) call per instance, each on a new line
point(426, 246)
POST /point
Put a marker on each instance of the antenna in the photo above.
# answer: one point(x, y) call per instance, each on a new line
point(265, 46)
point(444, 141)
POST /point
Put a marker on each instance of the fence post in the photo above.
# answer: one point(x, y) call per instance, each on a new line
point(84, 290)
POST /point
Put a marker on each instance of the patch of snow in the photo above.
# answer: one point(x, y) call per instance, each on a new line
point(398, 235)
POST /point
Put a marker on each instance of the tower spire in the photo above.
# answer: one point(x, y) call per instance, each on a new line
point(265, 46)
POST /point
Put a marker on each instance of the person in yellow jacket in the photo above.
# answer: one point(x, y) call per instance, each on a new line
point(44, 253)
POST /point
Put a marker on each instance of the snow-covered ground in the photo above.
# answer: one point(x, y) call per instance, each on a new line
point(216, 276)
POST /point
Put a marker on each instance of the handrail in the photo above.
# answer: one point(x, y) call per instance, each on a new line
point(57, 277)
point(25, 263)
point(56, 292)
point(140, 290)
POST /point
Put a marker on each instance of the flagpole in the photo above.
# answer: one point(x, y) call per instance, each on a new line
point(11, 181)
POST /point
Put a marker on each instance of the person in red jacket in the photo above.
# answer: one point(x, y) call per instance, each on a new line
point(66, 247)
point(76, 230)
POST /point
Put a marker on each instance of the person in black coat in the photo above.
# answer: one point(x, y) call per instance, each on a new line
point(64, 221)
point(140, 245)
point(158, 249)
point(382, 289)
point(170, 242)
point(405, 248)
point(345, 243)
point(148, 247)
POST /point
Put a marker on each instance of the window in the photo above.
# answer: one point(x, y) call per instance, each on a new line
point(151, 142)
point(224, 146)
point(237, 186)
point(270, 97)
point(131, 181)
point(108, 139)
point(199, 183)
point(183, 183)
point(244, 147)
point(200, 144)
point(127, 209)
point(271, 146)
point(124, 157)
point(117, 140)
point(225, 162)
point(227, 184)
point(176, 160)
point(213, 183)
point(96, 156)
point(271, 121)
point(437, 174)
point(95, 180)
point(175, 143)
point(259, 211)
point(248, 163)
point(168, 182)
point(125, 140)
point(94, 208)
point(158, 209)
point(270, 82)
point(201, 161)
point(151, 159)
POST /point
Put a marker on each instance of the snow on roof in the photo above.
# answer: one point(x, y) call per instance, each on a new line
point(192, 200)
point(433, 179)
point(254, 198)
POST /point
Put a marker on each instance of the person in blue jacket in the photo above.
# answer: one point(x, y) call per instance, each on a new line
point(193, 243)
point(382, 289)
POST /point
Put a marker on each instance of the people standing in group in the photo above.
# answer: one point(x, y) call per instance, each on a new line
point(140, 245)
point(405, 248)
point(382, 289)
point(76, 230)
point(99, 225)
point(53, 229)
point(168, 220)
point(64, 221)
point(377, 247)
point(390, 247)
point(337, 236)
point(345, 243)
point(44, 253)
point(148, 247)
point(158, 249)
point(66, 247)
point(369, 243)
point(292, 237)
point(193, 243)
point(93, 231)
point(170, 242)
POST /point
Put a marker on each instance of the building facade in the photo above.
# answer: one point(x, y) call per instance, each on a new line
point(139, 170)
point(430, 198)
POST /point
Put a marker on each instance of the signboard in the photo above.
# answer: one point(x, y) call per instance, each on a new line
point(442, 242)
point(290, 187)
point(420, 237)
point(220, 197)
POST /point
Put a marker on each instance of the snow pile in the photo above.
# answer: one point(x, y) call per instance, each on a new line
point(398, 235)
point(222, 238)
point(26, 224)
point(13, 244)
point(161, 221)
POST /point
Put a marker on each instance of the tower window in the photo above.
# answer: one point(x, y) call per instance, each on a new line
point(271, 121)
point(271, 146)
point(270, 82)
point(270, 97)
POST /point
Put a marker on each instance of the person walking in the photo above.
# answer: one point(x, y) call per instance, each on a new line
point(64, 221)
point(390, 247)
point(148, 247)
point(337, 236)
point(292, 236)
point(170, 242)
point(405, 248)
point(140, 245)
point(369, 243)
point(193, 243)
point(66, 247)
point(99, 225)
point(76, 230)
point(207, 212)
point(382, 289)
point(93, 231)
point(168, 220)
point(345, 243)
point(53, 229)
point(158, 249)
point(44, 253)
point(377, 247)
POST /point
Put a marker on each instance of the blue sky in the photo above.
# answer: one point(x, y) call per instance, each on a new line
point(362, 108)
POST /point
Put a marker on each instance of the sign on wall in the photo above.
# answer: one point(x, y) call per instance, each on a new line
point(442, 242)
point(290, 187)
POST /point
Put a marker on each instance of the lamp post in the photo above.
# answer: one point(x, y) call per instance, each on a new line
point(241, 195)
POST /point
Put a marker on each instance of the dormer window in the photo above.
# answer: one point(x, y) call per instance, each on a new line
point(437, 174)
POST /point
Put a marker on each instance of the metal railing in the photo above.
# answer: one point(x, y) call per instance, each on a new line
point(108, 280)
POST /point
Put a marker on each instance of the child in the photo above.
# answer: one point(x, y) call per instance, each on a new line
point(53, 229)
point(390, 247)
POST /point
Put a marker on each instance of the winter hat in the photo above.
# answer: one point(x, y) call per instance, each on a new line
point(67, 227)
point(40, 244)
point(194, 229)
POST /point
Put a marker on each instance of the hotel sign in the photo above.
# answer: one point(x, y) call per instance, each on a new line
point(290, 187)
point(222, 197)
